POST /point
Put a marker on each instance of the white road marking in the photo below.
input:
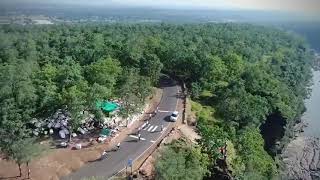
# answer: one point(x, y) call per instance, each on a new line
point(152, 141)
point(144, 124)
point(164, 111)
point(150, 128)
point(112, 177)
point(133, 136)
point(136, 137)
point(154, 128)
point(146, 127)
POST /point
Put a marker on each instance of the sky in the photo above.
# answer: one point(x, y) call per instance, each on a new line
point(299, 6)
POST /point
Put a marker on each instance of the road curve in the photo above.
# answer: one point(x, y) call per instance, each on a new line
point(130, 147)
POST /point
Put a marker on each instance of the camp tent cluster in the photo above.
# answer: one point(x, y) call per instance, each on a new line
point(59, 121)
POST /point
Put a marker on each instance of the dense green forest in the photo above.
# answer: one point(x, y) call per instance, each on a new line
point(237, 74)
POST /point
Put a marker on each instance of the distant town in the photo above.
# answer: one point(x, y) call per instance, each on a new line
point(45, 20)
point(24, 20)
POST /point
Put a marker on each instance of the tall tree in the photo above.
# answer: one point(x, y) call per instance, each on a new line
point(133, 90)
point(23, 151)
point(104, 72)
point(102, 75)
point(151, 67)
point(75, 98)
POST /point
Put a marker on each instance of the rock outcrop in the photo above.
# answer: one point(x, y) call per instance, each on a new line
point(301, 159)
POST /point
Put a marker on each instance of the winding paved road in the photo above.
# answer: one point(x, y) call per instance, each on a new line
point(131, 148)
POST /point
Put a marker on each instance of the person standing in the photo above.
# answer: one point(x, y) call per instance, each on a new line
point(162, 127)
point(118, 145)
point(103, 155)
point(155, 112)
point(139, 129)
point(139, 136)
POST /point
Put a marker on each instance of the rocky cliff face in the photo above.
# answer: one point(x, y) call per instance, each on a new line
point(301, 159)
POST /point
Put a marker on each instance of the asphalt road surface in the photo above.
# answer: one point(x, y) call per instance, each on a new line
point(131, 147)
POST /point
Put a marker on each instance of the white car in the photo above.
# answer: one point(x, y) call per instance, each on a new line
point(174, 116)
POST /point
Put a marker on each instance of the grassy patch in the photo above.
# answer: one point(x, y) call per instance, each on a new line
point(205, 98)
point(206, 94)
point(203, 112)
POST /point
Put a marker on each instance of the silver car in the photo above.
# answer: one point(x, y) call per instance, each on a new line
point(174, 116)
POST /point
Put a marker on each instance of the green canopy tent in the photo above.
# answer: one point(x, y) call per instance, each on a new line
point(107, 106)
point(105, 132)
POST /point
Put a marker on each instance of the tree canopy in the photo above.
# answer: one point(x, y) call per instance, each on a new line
point(249, 71)
point(180, 160)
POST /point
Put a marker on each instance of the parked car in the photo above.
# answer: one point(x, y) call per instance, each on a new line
point(174, 116)
point(62, 144)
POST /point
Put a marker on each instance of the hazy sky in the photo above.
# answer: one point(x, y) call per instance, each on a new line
point(306, 6)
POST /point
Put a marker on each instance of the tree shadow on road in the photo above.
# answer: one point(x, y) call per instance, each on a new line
point(98, 159)
point(9, 177)
point(167, 118)
point(132, 140)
